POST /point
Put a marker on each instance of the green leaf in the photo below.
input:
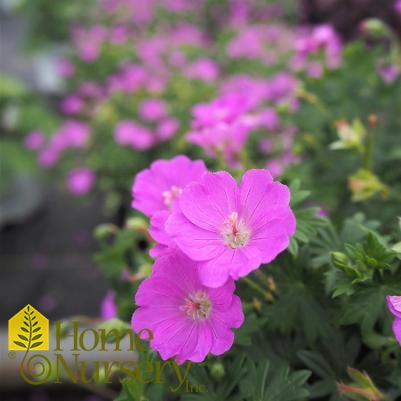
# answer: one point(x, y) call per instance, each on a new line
point(308, 223)
point(36, 344)
point(22, 337)
point(267, 383)
point(36, 337)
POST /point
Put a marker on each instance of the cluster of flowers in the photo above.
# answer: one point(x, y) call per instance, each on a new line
point(300, 48)
point(73, 134)
point(152, 111)
point(210, 231)
point(121, 59)
point(246, 104)
point(139, 80)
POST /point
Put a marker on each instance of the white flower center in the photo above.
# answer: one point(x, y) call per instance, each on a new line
point(171, 195)
point(197, 306)
point(234, 231)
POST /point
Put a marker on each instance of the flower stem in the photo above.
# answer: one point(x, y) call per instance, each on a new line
point(368, 156)
point(256, 286)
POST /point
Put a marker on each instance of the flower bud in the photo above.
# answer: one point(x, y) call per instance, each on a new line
point(217, 370)
point(373, 119)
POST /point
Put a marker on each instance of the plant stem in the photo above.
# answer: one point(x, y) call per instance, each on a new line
point(368, 156)
point(99, 390)
point(256, 286)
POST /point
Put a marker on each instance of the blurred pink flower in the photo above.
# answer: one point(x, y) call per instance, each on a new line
point(133, 134)
point(118, 34)
point(389, 73)
point(398, 6)
point(108, 307)
point(203, 69)
point(35, 140)
point(80, 181)
point(72, 104)
point(152, 109)
point(65, 68)
point(90, 89)
point(167, 128)
point(74, 134)
point(48, 157)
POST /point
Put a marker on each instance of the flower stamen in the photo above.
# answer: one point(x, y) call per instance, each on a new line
point(169, 196)
point(197, 306)
point(234, 231)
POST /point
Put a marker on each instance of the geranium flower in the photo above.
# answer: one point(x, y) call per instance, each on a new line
point(187, 319)
point(133, 134)
point(231, 230)
point(80, 181)
point(35, 140)
point(156, 188)
point(167, 128)
point(394, 305)
point(152, 109)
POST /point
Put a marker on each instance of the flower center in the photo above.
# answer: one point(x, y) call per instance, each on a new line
point(197, 306)
point(234, 231)
point(171, 195)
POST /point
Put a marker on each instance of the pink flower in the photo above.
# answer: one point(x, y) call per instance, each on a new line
point(48, 157)
point(152, 109)
point(65, 68)
point(72, 105)
point(74, 134)
point(398, 6)
point(394, 305)
point(167, 128)
point(165, 245)
point(282, 86)
point(131, 77)
point(270, 119)
point(34, 140)
point(89, 51)
point(203, 69)
point(80, 181)
point(221, 140)
point(222, 126)
point(187, 319)
point(225, 109)
point(157, 188)
point(108, 307)
point(320, 38)
point(315, 70)
point(90, 89)
point(88, 41)
point(133, 134)
point(118, 35)
point(275, 166)
point(388, 73)
point(232, 229)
